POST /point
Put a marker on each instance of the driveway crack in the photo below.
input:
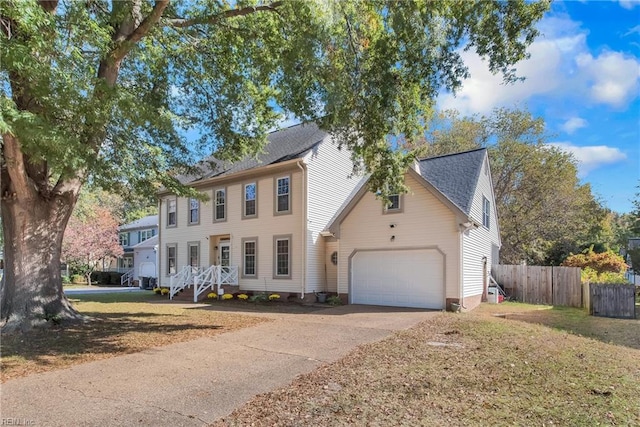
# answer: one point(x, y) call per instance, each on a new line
point(129, 402)
point(285, 353)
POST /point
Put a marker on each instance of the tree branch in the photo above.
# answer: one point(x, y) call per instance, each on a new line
point(15, 167)
point(136, 35)
point(183, 23)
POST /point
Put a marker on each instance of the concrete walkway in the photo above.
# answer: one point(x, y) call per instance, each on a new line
point(197, 382)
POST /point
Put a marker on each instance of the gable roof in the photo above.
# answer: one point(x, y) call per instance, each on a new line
point(452, 178)
point(146, 222)
point(455, 175)
point(282, 145)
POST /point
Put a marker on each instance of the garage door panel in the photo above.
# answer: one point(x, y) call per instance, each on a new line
point(403, 278)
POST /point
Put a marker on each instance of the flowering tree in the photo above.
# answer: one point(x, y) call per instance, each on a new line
point(91, 236)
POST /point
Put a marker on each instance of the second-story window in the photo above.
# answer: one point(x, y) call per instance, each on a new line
point(220, 205)
point(282, 195)
point(250, 198)
point(124, 239)
point(486, 212)
point(145, 234)
point(171, 213)
point(194, 211)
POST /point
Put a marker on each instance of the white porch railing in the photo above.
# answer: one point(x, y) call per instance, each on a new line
point(180, 280)
point(127, 278)
point(212, 276)
point(202, 279)
point(227, 275)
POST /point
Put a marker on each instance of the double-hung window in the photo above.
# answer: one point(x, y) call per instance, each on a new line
point(171, 213)
point(486, 212)
point(250, 257)
point(194, 211)
point(124, 239)
point(283, 195)
point(172, 257)
point(250, 200)
point(220, 204)
point(193, 250)
point(282, 257)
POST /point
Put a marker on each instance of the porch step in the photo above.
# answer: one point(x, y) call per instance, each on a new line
point(186, 295)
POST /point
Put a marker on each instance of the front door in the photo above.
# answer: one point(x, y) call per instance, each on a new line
point(224, 254)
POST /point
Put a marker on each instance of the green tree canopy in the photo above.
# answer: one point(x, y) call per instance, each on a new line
point(545, 213)
point(109, 89)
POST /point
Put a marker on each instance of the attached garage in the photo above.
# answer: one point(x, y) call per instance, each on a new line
point(400, 278)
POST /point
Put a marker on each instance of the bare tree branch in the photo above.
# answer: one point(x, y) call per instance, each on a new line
point(183, 23)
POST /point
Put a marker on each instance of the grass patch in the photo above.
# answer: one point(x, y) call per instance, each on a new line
point(469, 369)
point(117, 297)
point(121, 323)
point(624, 332)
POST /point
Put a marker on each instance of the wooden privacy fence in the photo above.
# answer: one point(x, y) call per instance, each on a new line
point(540, 285)
point(612, 301)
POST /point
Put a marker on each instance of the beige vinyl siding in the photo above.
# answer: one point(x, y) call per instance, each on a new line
point(331, 269)
point(264, 227)
point(329, 185)
point(424, 222)
point(477, 243)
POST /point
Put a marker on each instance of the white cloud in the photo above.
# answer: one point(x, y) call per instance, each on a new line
point(629, 4)
point(573, 124)
point(591, 157)
point(560, 67)
point(612, 77)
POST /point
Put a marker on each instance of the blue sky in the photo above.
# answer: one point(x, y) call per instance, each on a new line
point(583, 79)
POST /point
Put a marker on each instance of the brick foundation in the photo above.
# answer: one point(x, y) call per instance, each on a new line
point(472, 302)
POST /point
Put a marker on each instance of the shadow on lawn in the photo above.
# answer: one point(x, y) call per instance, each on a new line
point(623, 332)
point(117, 333)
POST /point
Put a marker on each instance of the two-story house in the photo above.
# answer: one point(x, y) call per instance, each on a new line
point(264, 215)
point(139, 240)
point(294, 220)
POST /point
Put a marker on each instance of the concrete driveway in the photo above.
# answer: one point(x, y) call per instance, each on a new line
point(197, 382)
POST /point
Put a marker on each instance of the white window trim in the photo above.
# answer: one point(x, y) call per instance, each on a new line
point(387, 210)
point(486, 213)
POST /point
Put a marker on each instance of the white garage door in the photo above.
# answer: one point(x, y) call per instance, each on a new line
point(403, 278)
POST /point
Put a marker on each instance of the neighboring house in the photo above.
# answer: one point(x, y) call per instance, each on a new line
point(292, 221)
point(632, 243)
point(135, 239)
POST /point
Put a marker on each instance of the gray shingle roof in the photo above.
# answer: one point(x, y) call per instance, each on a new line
point(455, 175)
point(146, 222)
point(286, 144)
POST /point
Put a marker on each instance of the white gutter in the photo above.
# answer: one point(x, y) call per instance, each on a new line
point(304, 228)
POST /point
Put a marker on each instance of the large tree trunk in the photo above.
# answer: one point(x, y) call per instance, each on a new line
point(34, 218)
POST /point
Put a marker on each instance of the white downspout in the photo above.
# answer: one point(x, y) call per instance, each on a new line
point(304, 229)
